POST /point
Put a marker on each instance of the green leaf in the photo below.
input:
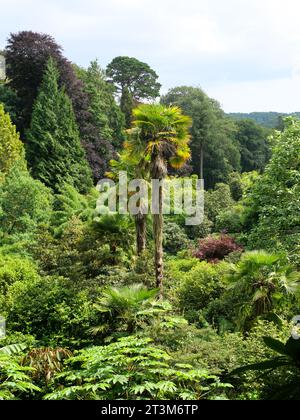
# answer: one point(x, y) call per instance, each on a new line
point(293, 349)
point(267, 365)
point(276, 345)
point(13, 349)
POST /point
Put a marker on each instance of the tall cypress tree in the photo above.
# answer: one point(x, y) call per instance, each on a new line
point(54, 151)
point(127, 105)
point(106, 114)
point(27, 54)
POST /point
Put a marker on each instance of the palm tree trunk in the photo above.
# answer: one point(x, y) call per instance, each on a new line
point(158, 242)
point(141, 233)
point(158, 172)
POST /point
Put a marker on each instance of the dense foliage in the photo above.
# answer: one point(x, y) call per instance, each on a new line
point(214, 149)
point(274, 206)
point(53, 145)
point(135, 81)
point(265, 119)
point(253, 144)
point(118, 306)
point(11, 147)
point(133, 369)
point(27, 54)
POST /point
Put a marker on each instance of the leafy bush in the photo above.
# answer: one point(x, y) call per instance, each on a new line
point(24, 203)
point(14, 378)
point(132, 369)
point(49, 309)
point(259, 284)
point(13, 269)
point(85, 250)
point(286, 365)
point(127, 308)
point(217, 200)
point(231, 220)
point(194, 284)
point(141, 272)
point(200, 231)
point(236, 186)
point(216, 249)
point(220, 354)
point(175, 238)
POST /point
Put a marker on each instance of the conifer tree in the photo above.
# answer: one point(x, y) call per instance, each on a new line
point(11, 147)
point(106, 115)
point(54, 151)
point(27, 54)
point(127, 106)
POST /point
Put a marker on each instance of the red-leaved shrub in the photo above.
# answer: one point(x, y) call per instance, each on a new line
point(214, 250)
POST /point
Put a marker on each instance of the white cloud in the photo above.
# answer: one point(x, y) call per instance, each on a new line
point(195, 35)
point(281, 95)
point(232, 48)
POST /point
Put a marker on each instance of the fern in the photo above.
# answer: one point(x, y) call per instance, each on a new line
point(13, 349)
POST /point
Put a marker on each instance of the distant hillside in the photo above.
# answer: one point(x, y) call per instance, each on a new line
point(266, 119)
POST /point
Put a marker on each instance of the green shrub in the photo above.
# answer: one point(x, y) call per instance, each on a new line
point(132, 369)
point(259, 284)
point(49, 309)
point(217, 201)
point(280, 373)
point(15, 269)
point(84, 251)
point(175, 238)
point(236, 187)
point(231, 220)
point(14, 379)
point(25, 203)
point(220, 354)
point(194, 284)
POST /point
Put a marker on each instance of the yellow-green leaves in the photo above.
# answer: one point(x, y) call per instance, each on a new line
point(11, 147)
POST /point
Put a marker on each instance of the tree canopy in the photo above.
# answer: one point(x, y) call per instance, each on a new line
point(135, 81)
point(215, 152)
point(275, 207)
point(94, 303)
point(253, 144)
point(27, 54)
point(137, 77)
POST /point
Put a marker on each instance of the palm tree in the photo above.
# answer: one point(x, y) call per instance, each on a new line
point(264, 280)
point(128, 306)
point(161, 135)
point(136, 167)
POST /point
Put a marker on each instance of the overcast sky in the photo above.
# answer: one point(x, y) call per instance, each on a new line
point(244, 53)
